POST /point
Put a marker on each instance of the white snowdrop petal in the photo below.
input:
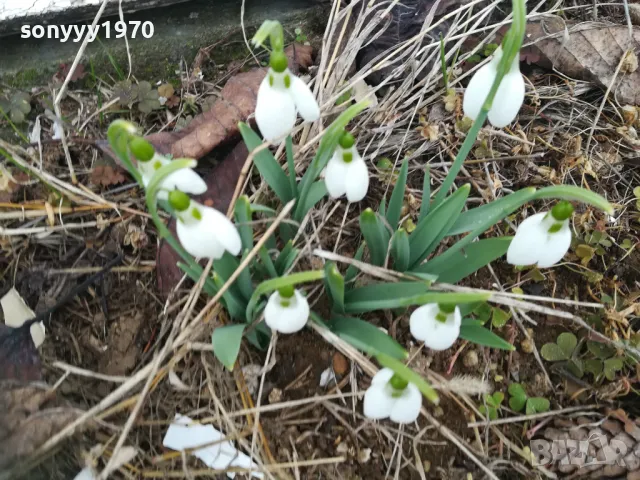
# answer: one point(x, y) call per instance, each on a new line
point(272, 312)
point(199, 239)
point(378, 403)
point(407, 407)
point(286, 319)
point(275, 112)
point(357, 179)
point(422, 320)
point(530, 237)
point(304, 100)
point(508, 101)
point(334, 178)
point(477, 90)
point(185, 180)
point(295, 317)
point(443, 335)
point(382, 377)
point(556, 247)
point(226, 232)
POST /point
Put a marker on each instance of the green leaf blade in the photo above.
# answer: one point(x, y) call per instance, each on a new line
point(400, 250)
point(453, 266)
point(266, 164)
point(334, 284)
point(397, 196)
point(434, 227)
point(372, 231)
point(484, 337)
point(367, 337)
point(226, 341)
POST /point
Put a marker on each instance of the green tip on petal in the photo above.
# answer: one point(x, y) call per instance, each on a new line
point(447, 307)
point(347, 157)
point(562, 210)
point(278, 61)
point(286, 292)
point(397, 382)
point(347, 140)
point(141, 149)
point(179, 200)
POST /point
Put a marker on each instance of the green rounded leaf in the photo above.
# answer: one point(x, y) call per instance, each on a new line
point(567, 342)
point(537, 405)
point(551, 352)
point(517, 397)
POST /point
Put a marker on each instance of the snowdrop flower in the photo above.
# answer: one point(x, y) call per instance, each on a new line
point(203, 231)
point(508, 99)
point(346, 172)
point(287, 310)
point(149, 162)
point(437, 325)
point(281, 97)
point(390, 396)
point(542, 239)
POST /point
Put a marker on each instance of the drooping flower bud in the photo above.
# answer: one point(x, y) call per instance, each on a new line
point(203, 231)
point(542, 239)
point(390, 396)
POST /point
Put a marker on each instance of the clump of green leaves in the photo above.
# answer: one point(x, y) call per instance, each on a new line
point(16, 106)
point(300, 36)
point(491, 406)
point(519, 401)
point(595, 243)
point(143, 93)
point(148, 97)
point(599, 360)
point(564, 350)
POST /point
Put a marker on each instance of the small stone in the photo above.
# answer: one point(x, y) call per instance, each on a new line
point(364, 455)
point(340, 364)
point(470, 359)
point(438, 412)
point(275, 396)
point(426, 465)
point(526, 345)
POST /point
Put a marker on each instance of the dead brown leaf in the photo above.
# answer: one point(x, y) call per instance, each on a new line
point(106, 175)
point(19, 358)
point(589, 51)
point(300, 56)
point(29, 416)
point(220, 124)
point(221, 182)
point(122, 352)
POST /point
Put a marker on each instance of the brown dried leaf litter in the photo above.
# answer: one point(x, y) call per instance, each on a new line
point(591, 52)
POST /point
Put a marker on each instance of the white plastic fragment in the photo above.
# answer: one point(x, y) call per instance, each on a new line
point(327, 377)
point(16, 312)
point(87, 473)
point(183, 434)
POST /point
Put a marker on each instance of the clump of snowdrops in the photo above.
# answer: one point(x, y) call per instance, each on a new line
point(264, 297)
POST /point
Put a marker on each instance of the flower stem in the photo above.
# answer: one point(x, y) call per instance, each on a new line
point(512, 44)
point(152, 206)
